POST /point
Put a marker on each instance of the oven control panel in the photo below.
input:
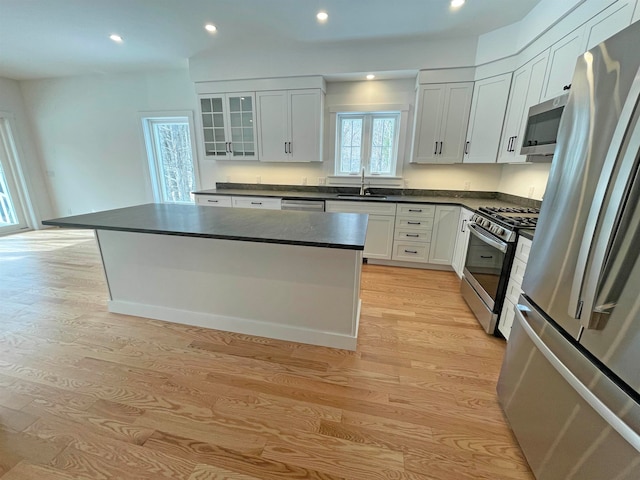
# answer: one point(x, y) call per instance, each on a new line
point(495, 228)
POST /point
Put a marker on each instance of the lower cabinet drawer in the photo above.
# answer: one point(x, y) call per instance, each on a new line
point(514, 289)
point(213, 200)
point(410, 235)
point(411, 251)
point(414, 223)
point(266, 203)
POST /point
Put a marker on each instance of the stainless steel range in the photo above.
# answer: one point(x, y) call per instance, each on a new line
point(493, 236)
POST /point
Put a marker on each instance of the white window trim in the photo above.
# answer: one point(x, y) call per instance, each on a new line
point(144, 117)
point(377, 180)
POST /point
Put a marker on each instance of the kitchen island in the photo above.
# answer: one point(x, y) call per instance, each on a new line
point(279, 274)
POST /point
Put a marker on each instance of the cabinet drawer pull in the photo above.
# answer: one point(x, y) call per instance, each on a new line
point(412, 235)
point(486, 256)
point(256, 203)
point(414, 223)
point(410, 251)
point(418, 210)
point(212, 201)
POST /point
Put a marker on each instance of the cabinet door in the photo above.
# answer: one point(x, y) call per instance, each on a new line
point(536, 80)
point(462, 241)
point(506, 318)
point(443, 238)
point(241, 126)
point(273, 125)
point(515, 107)
point(562, 63)
point(607, 23)
point(214, 126)
point(305, 123)
point(379, 240)
point(426, 133)
point(455, 119)
point(486, 119)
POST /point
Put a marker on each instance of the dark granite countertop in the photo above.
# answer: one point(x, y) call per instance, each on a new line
point(314, 229)
point(527, 233)
point(469, 200)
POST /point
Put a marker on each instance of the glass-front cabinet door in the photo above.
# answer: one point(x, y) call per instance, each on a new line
point(228, 123)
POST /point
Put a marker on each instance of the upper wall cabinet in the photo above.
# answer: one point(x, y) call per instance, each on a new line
point(565, 52)
point(525, 92)
point(441, 120)
point(228, 126)
point(488, 108)
point(290, 125)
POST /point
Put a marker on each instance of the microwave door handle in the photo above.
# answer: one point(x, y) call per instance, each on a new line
point(592, 253)
point(487, 238)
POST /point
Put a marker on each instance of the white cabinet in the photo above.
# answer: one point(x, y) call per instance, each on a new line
point(488, 109)
point(214, 200)
point(265, 203)
point(228, 127)
point(413, 231)
point(290, 125)
point(462, 241)
point(441, 119)
point(379, 241)
point(562, 63)
point(525, 92)
point(564, 53)
point(514, 287)
point(443, 238)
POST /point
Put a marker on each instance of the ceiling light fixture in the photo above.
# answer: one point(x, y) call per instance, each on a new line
point(371, 76)
point(210, 27)
point(322, 16)
point(116, 38)
point(457, 3)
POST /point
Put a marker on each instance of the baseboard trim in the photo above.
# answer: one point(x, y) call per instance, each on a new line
point(422, 266)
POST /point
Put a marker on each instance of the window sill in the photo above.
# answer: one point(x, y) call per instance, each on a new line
point(370, 181)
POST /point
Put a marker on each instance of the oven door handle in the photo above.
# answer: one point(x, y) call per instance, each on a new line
point(488, 238)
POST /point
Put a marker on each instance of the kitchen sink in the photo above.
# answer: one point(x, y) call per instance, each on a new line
point(355, 195)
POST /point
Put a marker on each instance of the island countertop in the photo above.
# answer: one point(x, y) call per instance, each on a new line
point(334, 230)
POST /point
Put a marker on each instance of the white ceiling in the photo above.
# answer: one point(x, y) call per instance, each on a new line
point(51, 38)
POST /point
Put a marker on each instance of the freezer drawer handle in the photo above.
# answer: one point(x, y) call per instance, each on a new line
point(611, 418)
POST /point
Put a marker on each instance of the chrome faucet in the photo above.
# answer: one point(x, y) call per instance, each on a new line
point(362, 189)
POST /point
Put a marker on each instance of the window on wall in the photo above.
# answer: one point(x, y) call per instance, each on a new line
point(171, 162)
point(368, 140)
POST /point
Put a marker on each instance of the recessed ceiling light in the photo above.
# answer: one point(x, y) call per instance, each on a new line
point(210, 27)
point(457, 3)
point(322, 16)
point(371, 76)
point(116, 38)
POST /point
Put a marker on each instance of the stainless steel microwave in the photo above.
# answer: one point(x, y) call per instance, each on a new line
point(543, 121)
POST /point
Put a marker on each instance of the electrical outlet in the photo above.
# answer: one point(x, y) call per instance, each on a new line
point(258, 179)
point(322, 181)
point(467, 185)
point(304, 180)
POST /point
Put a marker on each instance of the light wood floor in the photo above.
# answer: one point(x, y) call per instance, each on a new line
point(86, 394)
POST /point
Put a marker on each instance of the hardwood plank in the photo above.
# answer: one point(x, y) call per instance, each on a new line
point(87, 394)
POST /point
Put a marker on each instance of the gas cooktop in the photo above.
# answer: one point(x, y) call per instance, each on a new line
point(514, 217)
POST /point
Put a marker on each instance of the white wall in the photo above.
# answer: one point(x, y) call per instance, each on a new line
point(11, 101)
point(526, 180)
point(90, 135)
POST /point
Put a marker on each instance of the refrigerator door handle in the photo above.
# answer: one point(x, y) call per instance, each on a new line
point(581, 299)
point(624, 430)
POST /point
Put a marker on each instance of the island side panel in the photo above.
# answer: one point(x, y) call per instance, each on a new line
point(289, 292)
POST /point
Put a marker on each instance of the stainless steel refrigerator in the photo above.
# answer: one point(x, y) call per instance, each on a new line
point(570, 380)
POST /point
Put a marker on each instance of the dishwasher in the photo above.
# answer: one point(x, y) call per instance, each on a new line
point(305, 205)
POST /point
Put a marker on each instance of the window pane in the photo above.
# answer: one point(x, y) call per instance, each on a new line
point(350, 144)
point(382, 145)
point(174, 162)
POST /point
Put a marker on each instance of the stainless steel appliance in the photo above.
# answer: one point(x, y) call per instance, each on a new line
point(304, 205)
point(541, 132)
point(570, 380)
point(489, 257)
